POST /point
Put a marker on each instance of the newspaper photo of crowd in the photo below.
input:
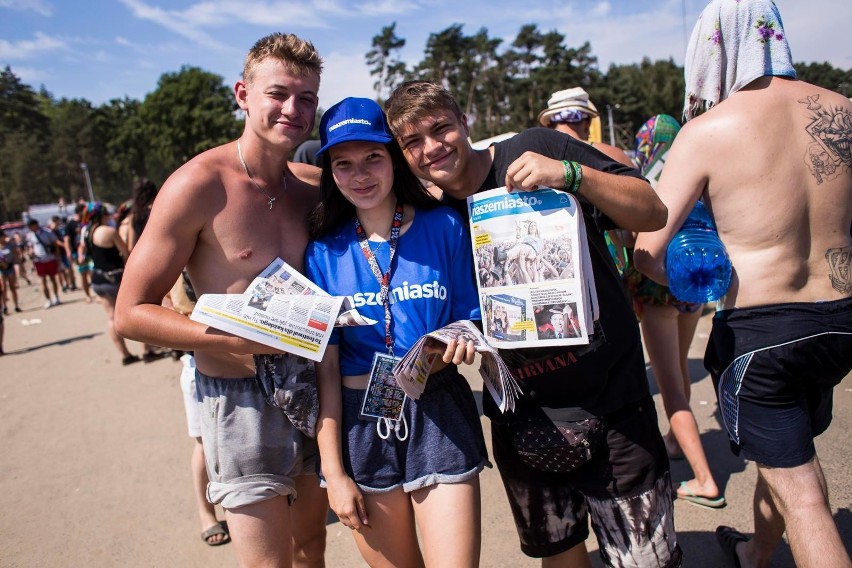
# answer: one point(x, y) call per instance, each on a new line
point(526, 259)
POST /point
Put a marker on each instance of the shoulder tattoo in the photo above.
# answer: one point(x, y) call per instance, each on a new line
point(840, 268)
point(830, 153)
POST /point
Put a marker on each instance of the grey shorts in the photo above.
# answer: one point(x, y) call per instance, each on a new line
point(444, 445)
point(252, 450)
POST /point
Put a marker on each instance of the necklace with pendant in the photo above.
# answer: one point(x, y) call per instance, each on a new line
point(270, 199)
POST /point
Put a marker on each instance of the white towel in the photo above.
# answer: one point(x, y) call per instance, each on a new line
point(733, 43)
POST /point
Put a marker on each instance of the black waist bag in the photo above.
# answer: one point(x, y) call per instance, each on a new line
point(548, 443)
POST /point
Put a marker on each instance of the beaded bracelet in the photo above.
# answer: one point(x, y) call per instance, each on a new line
point(569, 175)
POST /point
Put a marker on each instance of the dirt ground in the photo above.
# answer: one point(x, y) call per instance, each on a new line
point(95, 468)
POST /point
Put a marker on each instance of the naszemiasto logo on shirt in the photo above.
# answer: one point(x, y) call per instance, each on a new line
point(401, 294)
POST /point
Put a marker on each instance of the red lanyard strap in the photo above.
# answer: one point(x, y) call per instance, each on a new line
point(382, 279)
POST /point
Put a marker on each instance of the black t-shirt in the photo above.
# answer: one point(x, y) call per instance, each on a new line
point(609, 373)
point(72, 230)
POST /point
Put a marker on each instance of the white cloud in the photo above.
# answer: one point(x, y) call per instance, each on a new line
point(345, 75)
point(27, 49)
point(195, 22)
point(387, 8)
point(30, 75)
point(37, 6)
point(176, 22)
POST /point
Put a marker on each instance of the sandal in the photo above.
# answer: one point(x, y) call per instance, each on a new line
point(129, 359)
point(728, 539)
point(219, 528)
point(689, 496)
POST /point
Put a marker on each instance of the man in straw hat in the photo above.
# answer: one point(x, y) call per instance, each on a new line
point(570, 111)
point(773, 166)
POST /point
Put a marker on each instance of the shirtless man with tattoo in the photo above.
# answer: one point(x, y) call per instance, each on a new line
point(771, 157)
point(225, 215)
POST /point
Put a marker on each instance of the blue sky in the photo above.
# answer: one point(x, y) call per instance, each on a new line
point(104, 49)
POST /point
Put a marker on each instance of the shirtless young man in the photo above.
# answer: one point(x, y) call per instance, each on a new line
point(225, 215)
point(772, 162)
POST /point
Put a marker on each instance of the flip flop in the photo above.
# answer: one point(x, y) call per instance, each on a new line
point(690, 497)
point(219, 528)
point(728, 539)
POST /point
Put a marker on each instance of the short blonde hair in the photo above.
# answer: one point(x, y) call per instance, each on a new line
point(298, 55)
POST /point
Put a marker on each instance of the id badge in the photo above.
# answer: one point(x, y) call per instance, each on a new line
point(384, 398)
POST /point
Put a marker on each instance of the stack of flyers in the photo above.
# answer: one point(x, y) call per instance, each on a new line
point(412, 371)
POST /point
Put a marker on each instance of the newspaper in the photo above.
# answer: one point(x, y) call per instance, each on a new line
point(281, 308)
point(533, 269)
point(412, 371)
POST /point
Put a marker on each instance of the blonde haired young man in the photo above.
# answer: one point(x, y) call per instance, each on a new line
point(225, 215)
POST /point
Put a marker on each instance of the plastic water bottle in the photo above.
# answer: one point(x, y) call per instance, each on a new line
point(697, 265)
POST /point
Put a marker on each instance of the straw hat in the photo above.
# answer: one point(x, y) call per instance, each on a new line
point(576, 99)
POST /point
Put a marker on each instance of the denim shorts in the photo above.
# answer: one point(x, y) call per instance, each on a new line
point(105, 290)
point(625, 488)
point(444, 444)
point(251, 448)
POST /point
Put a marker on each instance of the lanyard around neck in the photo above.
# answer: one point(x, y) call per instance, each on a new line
point(382, 279)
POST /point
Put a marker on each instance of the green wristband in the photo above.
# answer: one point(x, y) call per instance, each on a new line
point(569, 175)
point(578, 177)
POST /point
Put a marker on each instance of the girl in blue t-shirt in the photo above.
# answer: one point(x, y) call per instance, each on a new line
point(391, 463)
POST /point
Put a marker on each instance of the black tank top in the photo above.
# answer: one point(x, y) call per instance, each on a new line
point(106, 258)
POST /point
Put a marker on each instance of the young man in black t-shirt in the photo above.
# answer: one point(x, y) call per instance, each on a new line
point(626, 486)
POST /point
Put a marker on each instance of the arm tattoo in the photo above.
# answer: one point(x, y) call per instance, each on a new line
point(840, 268)
point(830, 153)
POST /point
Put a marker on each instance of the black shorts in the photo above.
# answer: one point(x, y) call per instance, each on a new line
point(625, 488)
point(774, 368)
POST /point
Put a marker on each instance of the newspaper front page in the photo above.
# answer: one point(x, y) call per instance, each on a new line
point(533, 269)
point(281, 308)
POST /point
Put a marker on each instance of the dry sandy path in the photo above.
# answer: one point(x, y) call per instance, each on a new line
point(95, 458)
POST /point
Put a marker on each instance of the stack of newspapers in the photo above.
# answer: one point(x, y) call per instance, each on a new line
point(412, 371)
point(533, 270)
point(281, 308)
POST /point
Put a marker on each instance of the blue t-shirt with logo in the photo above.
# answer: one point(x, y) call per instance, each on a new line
point(431, 283)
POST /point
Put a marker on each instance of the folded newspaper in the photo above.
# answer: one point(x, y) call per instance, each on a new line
point(533, 269)
point(281, 308)
point(412, 371)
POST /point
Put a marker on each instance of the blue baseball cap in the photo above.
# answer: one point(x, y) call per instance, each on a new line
point(353, 120)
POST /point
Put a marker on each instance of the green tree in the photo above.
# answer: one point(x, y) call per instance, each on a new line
point(384, 59)
point(826, 76)
point(637, 92)
point(189, 112)
point(123, 145)
point(73, 142)
point(19, 107)
point(24, 135)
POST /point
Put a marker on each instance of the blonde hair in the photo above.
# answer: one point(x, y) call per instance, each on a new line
point(300, 57)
